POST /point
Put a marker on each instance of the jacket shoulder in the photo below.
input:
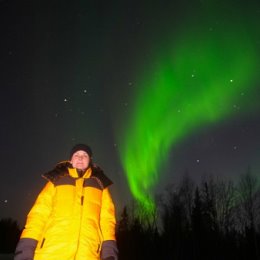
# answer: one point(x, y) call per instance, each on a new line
point(60, 170)
point(98, 173)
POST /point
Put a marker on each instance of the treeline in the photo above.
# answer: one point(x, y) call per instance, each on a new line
point(213, 220)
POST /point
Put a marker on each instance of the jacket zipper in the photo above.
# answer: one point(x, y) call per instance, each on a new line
point(81, 209)
point(42, 243)
point(82, 200)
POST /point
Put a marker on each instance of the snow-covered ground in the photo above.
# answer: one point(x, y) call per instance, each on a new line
point(6, 257)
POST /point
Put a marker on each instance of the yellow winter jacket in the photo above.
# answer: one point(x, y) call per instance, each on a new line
point(71, 218)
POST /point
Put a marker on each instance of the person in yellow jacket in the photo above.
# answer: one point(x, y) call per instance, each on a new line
point(73, 217)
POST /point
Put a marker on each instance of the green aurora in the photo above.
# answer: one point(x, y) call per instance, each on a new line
point(195, 80)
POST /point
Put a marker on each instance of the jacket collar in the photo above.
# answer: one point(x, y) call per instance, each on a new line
point(73, 173)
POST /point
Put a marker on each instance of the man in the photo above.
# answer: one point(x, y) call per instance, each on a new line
point(73, 217)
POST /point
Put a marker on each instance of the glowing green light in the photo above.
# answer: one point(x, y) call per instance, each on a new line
point(196, 82)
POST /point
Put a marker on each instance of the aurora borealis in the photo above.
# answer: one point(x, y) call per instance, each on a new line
point(154, 87)
point(198, 78)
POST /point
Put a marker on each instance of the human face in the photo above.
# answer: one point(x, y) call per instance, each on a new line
point(80, 160)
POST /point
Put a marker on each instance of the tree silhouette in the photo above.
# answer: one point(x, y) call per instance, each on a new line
point(137, 235)
point(248, 196)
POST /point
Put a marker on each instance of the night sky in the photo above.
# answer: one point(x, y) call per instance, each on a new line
point(156, 88)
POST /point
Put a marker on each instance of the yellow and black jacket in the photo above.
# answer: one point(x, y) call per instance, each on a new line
point(73, 218)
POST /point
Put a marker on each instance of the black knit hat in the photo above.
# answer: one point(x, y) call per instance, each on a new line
point(82, 147)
